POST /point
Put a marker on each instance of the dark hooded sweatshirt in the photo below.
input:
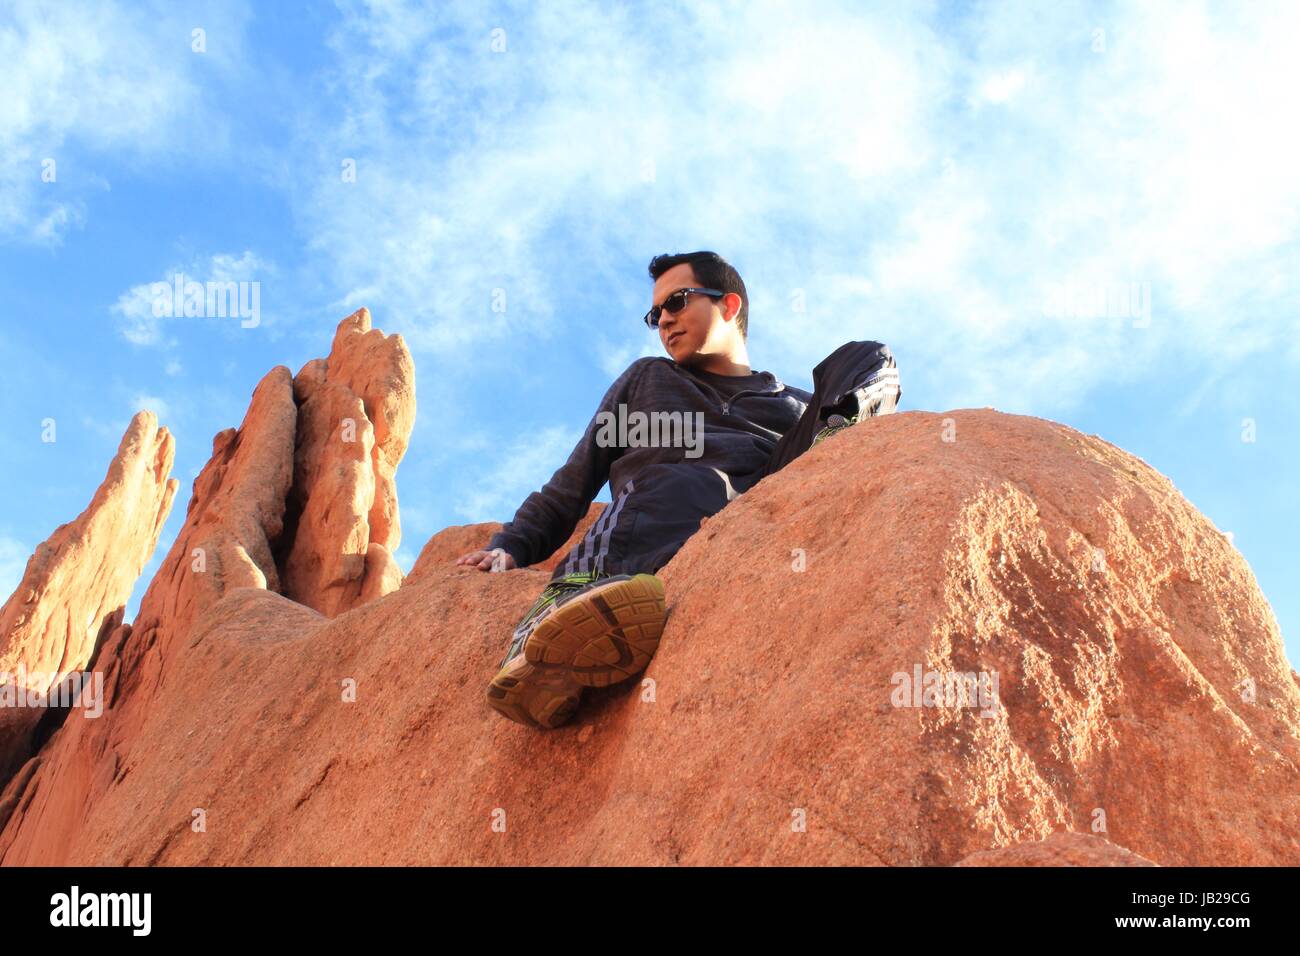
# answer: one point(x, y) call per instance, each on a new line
point(660, 494)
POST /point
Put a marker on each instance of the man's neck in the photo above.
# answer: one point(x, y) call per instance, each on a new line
point(723, 364)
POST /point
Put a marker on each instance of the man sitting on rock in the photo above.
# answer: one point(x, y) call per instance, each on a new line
point(600, 618)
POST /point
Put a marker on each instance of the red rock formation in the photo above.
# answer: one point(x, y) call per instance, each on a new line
point(1059, 849)
point(235, 516)
point(268, 511)
point(450, 543)
point(78, 581)
point(1141, 683)
point(234, 519)
point(356, 409)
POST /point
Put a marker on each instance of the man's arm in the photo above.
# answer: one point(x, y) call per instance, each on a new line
point(547, 517)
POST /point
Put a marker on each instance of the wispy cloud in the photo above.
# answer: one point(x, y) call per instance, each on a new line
point(104, 77)
point(501, 486)
point(144, 310)
point(614, 358)
point(154, 404)
point(508, 170)
point(913, 174)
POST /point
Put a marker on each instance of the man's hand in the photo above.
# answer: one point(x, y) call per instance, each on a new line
point(498, 559)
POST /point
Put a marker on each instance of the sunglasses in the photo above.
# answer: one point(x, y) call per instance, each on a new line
point(675, 303)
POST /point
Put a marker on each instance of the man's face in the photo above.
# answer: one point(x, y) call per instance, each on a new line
point(701, 327)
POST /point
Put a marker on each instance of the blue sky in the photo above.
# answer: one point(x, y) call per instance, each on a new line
point(1085, 212)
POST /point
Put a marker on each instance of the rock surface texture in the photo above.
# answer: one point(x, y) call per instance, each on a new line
point(1059, 849)
point(1133, 700)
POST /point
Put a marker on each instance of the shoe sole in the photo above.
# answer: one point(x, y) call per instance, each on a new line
point(533, 696)
point(604, 635)
point(599, 637)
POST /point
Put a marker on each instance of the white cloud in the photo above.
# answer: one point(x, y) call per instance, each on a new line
point(154, 404)
point(1001, 87)
point(225, 267)
point(117, 79)
point(1154, 162)
point(144, 310)
point(521, 171)
point(923, 180)
point(54, 223)
point(137, 322)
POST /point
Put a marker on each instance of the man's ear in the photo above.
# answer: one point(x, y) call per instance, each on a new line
point(731, 304)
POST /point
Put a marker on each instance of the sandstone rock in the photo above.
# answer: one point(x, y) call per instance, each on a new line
point(450, 543)
point(235, 516)
point(244, 528)
point(356, 409)
point(1059, 849)
point(78, 581)
point(1122, 628)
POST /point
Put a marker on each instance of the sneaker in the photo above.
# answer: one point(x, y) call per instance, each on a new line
point(585, 630)
point(833, 424)
point(879, 395)
point(555, 593)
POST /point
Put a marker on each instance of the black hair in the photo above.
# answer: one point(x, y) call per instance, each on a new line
point(713, 272)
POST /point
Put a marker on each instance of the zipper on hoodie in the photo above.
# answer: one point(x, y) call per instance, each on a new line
point(726, 406)
point(776, 391)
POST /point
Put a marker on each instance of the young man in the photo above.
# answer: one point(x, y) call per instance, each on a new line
point(599, 619)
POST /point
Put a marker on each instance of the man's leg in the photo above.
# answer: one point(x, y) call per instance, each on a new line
point(649, 520)
point(858, 378)
point(587, 629)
